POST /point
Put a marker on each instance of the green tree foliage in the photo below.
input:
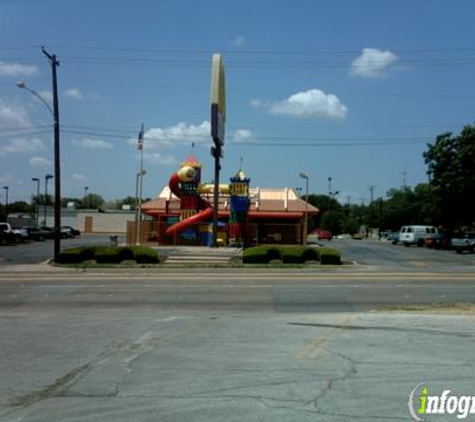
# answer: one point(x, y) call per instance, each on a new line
point(407, 206)
point(451, 168)
point(92, 201)
point(128, 200)
point(324, 203)
point(333, 221)
point(66, 201)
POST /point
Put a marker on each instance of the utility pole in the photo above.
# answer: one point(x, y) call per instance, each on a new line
point(371, 191)
point(57, 162)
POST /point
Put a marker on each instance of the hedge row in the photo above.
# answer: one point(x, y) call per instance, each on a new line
point(109, 255)
point(290, 255)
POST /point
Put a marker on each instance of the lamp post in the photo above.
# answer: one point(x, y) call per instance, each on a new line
point(54, 62)
point(6, 202)
point(138, 203)
point(305, 229)
point(37, 180)
point(47, 177)
point(86, 188)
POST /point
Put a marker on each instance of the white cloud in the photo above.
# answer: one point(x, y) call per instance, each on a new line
point(17, 69)
point(157, 158)
point(242, 135)
point(373, 63)
point(92, 144)
point(39, 162)
point(239, 41)
point(6, 178)
point(21, 146)
point(74, 93)
point(257, 102)
point(310, 104)
point(12, 116)
point(77, 177)
point(158, 137)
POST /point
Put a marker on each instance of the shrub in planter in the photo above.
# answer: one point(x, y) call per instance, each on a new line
point(328, 256)
point(292, 254)
point(113, 255)
point(255, 255)
point(273, 254)
point(76, 255)
point(309, 254)
point(145, 255)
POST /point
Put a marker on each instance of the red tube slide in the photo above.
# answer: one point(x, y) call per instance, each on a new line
point(204, 215)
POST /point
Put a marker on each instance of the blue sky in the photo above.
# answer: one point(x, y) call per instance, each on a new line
point(352, 90)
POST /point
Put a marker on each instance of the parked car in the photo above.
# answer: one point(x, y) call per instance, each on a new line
point(323, 234)
point(416, 235)
point(74, 232)
point(393, 237)
point(10, 235)
point(36, 233)
point(466, 242)
point(49, 232)
point(21, 234)
point(7, 235)
point(438, 241)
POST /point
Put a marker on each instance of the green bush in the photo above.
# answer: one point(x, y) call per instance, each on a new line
point(309, 254)
point(255, 255)
point(109, 255)
point(328, 256)
point(273, 254)
point(76, 255)
point(290, 255)
point(114, 255)
point(145, 255)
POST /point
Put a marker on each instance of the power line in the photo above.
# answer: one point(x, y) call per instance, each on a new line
point(15, 129)
point(20, 134)
point(308, 51)
point(297, 140)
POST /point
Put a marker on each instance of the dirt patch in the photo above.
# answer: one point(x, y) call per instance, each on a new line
point(439, 308)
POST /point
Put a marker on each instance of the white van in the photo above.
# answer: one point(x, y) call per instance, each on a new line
point(415, 235)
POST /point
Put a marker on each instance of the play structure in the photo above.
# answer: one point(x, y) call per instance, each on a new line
point(196, 212)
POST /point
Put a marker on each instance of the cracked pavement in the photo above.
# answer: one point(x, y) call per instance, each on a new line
point(77, 352)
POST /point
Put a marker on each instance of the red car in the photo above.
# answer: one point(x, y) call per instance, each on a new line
point(323, 234)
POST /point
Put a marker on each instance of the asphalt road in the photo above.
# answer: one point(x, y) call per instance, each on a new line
point(216, 345)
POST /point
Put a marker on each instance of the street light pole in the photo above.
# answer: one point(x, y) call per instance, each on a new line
point(6, 202)
point(86, 188)
point(37, 180)
point(47, 177)
point(305, 228)
point(57, 162)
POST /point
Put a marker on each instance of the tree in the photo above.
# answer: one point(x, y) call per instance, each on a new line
point(451, 169)
point(324, 203)
point(128, 200)
point(333, 221)
point(68, 200)
point(92, 201)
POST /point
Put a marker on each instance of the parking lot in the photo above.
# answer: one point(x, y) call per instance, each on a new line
point(385, 254)
point(378, 254)
point(33, 252)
